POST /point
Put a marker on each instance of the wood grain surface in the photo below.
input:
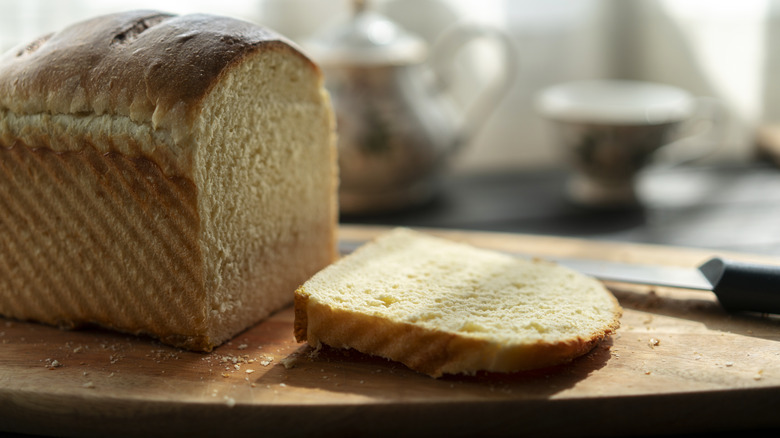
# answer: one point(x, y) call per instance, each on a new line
point(678, 364)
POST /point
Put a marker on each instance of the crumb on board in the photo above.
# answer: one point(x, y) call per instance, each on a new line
point(289, 361)
point(161, 355)
point(52, 363)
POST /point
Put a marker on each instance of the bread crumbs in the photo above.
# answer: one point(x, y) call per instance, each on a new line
point(290, 361)
point(52, 363)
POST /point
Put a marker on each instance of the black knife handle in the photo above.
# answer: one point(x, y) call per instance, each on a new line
point(742, 286)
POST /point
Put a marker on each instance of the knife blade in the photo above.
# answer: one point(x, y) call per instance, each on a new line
point(739, 286)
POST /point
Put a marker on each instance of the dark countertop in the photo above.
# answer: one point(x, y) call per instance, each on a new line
point(729, 208)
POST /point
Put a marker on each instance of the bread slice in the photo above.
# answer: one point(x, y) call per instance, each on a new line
point(167, 175)
point(445, 307)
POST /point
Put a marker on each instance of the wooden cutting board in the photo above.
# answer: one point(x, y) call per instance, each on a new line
point(678, 364)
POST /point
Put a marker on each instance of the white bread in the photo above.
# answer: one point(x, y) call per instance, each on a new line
point(446, 307)
point(167, 175)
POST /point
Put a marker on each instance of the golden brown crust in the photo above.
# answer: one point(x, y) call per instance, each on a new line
point(300, 326)
point(432, 352)
point(152, 67)
point(92, 222)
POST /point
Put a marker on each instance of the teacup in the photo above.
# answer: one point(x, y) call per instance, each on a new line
point(611, 129)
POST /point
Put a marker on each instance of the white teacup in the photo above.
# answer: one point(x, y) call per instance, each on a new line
point(611, 129)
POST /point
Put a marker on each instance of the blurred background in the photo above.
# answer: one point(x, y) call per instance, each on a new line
point(510, 175)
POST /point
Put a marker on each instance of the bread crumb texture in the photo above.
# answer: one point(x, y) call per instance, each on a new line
point(445, 307)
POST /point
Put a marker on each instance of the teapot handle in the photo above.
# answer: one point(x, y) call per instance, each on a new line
point(447, 45)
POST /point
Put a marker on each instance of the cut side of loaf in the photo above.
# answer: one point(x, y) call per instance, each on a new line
point(166, 175)
point(442, 307)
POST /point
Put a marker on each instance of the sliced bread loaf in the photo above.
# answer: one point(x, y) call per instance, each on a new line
point(444, 307)
point(159, 174)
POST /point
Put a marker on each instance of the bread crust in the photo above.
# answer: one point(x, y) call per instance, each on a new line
point(432, 352)
point(151, 67)
point(301, 322)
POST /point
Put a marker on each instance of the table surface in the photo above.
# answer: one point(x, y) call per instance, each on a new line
point(729, 208)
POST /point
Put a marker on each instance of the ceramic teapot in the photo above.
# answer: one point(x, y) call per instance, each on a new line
point(396, 122)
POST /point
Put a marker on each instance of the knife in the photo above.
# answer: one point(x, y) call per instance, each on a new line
point(739, 286)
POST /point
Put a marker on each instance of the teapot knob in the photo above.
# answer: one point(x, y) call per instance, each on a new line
point(358, 6)
point(366, 39)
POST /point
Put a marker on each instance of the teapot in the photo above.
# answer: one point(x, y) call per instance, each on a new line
point(397, 123)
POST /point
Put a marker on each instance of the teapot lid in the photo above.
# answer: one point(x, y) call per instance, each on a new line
point(366, 38)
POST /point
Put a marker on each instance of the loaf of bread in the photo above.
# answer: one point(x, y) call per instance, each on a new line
point(173, 176)
point(445, 307)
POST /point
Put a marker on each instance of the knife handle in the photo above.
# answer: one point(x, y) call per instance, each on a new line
point(742, 286)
